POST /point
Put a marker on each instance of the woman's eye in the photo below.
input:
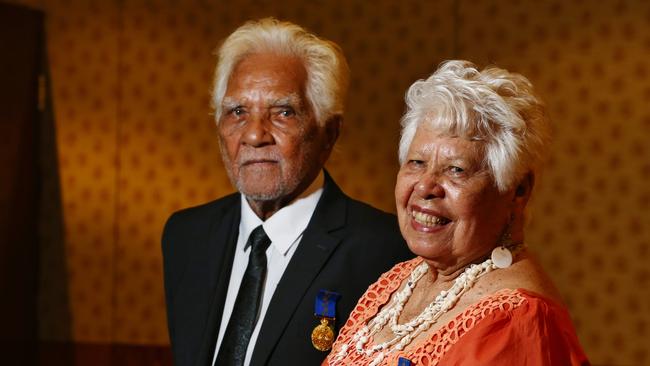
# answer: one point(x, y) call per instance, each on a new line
point(455, 169)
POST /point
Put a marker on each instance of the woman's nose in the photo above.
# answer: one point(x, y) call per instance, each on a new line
point(429, 187)
point(256, 132)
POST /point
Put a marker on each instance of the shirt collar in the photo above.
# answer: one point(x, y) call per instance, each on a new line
point(289, 222)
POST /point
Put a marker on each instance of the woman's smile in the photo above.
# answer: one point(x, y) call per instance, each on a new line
point(427, 220)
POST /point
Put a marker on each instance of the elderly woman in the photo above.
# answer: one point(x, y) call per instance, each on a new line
point(472, 143)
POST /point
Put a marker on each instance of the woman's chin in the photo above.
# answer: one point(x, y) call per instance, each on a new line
point(427, 249)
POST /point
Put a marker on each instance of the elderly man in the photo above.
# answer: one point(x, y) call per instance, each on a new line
point(266, 276)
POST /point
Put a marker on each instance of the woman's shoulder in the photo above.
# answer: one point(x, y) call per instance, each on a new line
point(515, 304)
point(514, 319)
point(525, 274)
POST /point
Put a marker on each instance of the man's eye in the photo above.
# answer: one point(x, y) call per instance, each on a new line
point(237, 111)
point(287, 112)
point(415, 163)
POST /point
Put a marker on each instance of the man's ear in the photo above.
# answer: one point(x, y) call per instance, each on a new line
point(333, 129)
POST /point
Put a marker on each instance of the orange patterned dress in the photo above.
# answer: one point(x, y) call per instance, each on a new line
point(509, 327)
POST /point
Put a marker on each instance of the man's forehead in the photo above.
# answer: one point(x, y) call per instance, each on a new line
point(266, 98)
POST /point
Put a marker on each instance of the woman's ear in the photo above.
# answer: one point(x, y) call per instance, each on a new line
point(520, 198)
point(524, 189)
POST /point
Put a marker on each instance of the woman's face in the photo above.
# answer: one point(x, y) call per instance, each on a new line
point(449, 209)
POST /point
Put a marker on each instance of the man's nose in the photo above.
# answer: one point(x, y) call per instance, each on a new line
point(428, 186)
point(257, 132)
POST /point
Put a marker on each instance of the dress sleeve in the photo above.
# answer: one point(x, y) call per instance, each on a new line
point(536, 333)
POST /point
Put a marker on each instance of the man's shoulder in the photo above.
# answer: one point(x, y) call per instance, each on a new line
point(361, 221)
point(364, 215)
point(208, 209)
point(368, 228)
point(192, 225)
point(365, 208)
point(204, 214)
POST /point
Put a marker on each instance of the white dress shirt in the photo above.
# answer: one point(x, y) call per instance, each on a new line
point(285, 229)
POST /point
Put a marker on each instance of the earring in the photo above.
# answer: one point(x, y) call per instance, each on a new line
point(501, 255)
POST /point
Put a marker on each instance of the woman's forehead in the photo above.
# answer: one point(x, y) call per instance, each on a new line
point(429, 139)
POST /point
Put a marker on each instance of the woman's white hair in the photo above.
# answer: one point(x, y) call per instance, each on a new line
point(327, 69)
point(494, 106)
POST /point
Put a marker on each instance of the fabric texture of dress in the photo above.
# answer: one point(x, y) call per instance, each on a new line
point(508, 327)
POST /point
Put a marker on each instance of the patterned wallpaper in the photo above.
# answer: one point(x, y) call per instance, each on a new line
point(136, 140)
point(591, 216)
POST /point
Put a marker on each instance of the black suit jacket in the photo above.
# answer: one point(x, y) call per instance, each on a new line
point(345, 247)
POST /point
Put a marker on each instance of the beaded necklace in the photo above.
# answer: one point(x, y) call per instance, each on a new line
point(501, 257)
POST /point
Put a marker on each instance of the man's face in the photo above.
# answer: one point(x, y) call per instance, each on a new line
point(271, 144)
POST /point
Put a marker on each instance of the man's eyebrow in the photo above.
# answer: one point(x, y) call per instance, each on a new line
point(229, 102)
point(291, 99)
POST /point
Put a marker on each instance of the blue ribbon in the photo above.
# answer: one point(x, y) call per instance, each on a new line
point(325, 306)
point(403, 362)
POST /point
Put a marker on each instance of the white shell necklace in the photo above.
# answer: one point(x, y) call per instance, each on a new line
point(404, 333)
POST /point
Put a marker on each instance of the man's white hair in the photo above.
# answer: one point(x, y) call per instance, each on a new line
point(494, 106)
point(327, 69)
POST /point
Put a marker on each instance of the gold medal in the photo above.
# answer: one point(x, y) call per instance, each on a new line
point(322, 337)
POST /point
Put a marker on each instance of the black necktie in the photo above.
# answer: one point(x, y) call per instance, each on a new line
point(247, 305)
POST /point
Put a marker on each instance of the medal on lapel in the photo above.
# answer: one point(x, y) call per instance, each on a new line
point(322, 337)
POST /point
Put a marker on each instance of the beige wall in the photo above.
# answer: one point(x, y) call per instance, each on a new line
point(136, 140)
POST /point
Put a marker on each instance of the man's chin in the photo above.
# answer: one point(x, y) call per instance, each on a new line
point(261, 196)
point(260, 192)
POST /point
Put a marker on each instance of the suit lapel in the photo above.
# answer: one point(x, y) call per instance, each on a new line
point(312, 254)
point(221, 251)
